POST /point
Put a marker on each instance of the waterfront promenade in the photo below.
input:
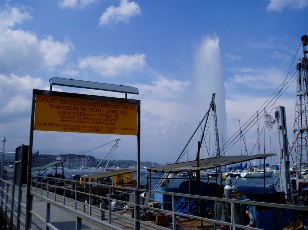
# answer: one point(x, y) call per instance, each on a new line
point(54, 211)
point(59, 218)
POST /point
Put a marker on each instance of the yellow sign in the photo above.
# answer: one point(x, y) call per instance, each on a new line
point(66, 114)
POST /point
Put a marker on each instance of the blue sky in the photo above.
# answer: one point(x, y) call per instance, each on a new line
point(176, 52)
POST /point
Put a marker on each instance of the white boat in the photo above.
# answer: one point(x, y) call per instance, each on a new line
point(254, 172)
point(233, 173)
point(209, 173)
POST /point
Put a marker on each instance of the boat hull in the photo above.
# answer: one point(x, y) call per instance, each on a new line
point(256, 174)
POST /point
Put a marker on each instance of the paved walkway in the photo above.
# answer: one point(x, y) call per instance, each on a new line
point(59, 218)
point(66, 212)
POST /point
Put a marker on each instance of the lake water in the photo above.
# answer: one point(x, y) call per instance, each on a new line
point(269, 181)
point(175, 183)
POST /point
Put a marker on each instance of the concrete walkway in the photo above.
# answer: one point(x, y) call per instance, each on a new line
point(68, 214)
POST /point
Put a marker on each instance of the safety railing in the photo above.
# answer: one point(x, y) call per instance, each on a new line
point(116, 207)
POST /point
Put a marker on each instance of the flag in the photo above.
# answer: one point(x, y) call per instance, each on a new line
point(269, 121)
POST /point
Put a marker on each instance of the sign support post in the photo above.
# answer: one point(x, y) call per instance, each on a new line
point(29, 166)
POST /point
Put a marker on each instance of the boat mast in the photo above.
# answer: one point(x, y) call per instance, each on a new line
point(216, 129)
point(301, 113)
point(168, 176)
point(212, 108)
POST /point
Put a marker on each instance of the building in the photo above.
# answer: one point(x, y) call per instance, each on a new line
point(78, 161)
point(9, 158)
point(41, 159)
point(70, 160)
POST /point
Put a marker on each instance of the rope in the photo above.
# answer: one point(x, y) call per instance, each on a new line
point(269, 103)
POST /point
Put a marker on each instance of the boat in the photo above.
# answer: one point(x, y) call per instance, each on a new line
point(99, 183)
point(255, 172)
point(48, 176)
point(209, 173)
point(119, 177)
point(235, 171)
point(232, 174)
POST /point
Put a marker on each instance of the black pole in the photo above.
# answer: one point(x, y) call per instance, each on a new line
point(29, 166)
point(150, 185)
point(138, 146)
point(264, 172)
point(198, 163)
point(137, 193)
point(264, 164)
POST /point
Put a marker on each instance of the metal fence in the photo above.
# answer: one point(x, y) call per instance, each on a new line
point(129, 208)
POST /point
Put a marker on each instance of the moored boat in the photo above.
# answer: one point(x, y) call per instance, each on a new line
point(254, 172)
point(233, 173)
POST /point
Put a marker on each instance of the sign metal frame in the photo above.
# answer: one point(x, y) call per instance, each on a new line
point(79, 96)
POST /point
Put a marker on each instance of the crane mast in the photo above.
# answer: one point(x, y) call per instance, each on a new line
point(301, 116)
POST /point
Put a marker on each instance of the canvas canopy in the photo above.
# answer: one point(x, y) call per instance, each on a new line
point(208, 163)
point(110, 173)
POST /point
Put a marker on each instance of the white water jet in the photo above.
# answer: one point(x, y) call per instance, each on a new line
point(209, 79)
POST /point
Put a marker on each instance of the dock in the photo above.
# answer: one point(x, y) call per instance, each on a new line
point(54, 211)
point(51, 209)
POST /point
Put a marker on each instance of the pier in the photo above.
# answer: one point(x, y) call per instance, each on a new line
point(50, 210)
point(53, 207)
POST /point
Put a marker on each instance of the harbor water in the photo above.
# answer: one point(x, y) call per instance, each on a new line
point(144, 178)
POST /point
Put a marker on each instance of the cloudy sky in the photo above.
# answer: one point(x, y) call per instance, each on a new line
point(176, 52)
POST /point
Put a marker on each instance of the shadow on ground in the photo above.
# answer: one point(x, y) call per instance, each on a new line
point(68, 225)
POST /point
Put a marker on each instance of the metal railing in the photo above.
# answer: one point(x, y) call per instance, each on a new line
point(116, 207)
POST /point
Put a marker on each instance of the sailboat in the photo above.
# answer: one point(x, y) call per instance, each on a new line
point(235, 171)
point(255, 172)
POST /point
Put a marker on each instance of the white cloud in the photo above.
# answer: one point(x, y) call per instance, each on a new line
point(23, 50)
point(166, 116)
point(15, 95)
point(232, 57)
point(167, 97)
point(256, 79)
point(11, 17)
point(122, 13)
point(15, 107)
point(54, 52)
point(110, 66)
point(16, 103)
point(72, 4)
point(70, 72)
point(163, 88)
point(277, 5)
point(25, 83)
